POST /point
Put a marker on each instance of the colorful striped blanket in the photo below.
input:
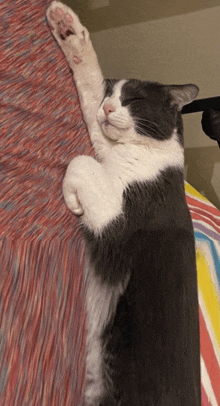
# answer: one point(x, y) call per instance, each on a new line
point(206, 222)
point(42, 304)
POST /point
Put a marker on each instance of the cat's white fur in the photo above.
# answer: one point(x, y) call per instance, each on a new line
point(93, 188)
point(101, 303)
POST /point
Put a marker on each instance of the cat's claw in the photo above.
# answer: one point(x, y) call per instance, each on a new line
point(68, 31)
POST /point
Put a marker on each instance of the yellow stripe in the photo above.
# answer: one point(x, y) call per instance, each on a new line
point(189, 189)
point(208, 292)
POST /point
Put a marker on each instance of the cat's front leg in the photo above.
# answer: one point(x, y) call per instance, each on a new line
point(74, 40)
point(90, 192)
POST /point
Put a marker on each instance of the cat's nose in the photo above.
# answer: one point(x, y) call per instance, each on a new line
point(108, 108)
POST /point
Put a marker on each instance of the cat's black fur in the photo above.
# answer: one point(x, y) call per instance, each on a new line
point(151, 345)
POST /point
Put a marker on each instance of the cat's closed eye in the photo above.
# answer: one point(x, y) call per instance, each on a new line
point(126, 102)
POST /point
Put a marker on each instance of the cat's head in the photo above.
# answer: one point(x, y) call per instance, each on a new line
point(133, 108)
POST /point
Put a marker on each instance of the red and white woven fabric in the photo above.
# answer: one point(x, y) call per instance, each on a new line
point(42, 318)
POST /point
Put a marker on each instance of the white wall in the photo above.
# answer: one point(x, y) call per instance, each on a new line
point(176, 50)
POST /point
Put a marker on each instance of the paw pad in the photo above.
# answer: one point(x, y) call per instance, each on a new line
point(63, 21)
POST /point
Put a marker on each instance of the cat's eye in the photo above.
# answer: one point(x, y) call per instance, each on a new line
point(126, 102)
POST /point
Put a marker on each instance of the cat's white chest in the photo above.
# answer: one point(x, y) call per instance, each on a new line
point(95, 189)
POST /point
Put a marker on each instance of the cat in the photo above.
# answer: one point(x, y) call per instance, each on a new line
point(140, 272)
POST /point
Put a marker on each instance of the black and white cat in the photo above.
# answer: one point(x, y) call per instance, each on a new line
point(142, 306)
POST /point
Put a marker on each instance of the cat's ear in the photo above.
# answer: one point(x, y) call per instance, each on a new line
point(183, 94)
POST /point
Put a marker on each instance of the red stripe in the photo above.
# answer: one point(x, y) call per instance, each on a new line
point(205, 401)
point(196, 216)
point(209, 357)
point(205, 214)
point(194, 202)
point(206, 217)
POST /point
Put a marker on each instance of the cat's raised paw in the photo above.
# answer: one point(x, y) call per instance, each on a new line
point(63, 20)
point(68, 31)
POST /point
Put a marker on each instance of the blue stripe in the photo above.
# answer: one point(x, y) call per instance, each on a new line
point(215, 255)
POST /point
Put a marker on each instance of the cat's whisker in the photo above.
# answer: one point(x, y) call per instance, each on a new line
point(149, 130)
point(152, 130)
point(146, 120)
point(150, 124)
point(147, 124)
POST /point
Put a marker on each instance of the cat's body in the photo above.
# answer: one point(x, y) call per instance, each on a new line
point(142, 307)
